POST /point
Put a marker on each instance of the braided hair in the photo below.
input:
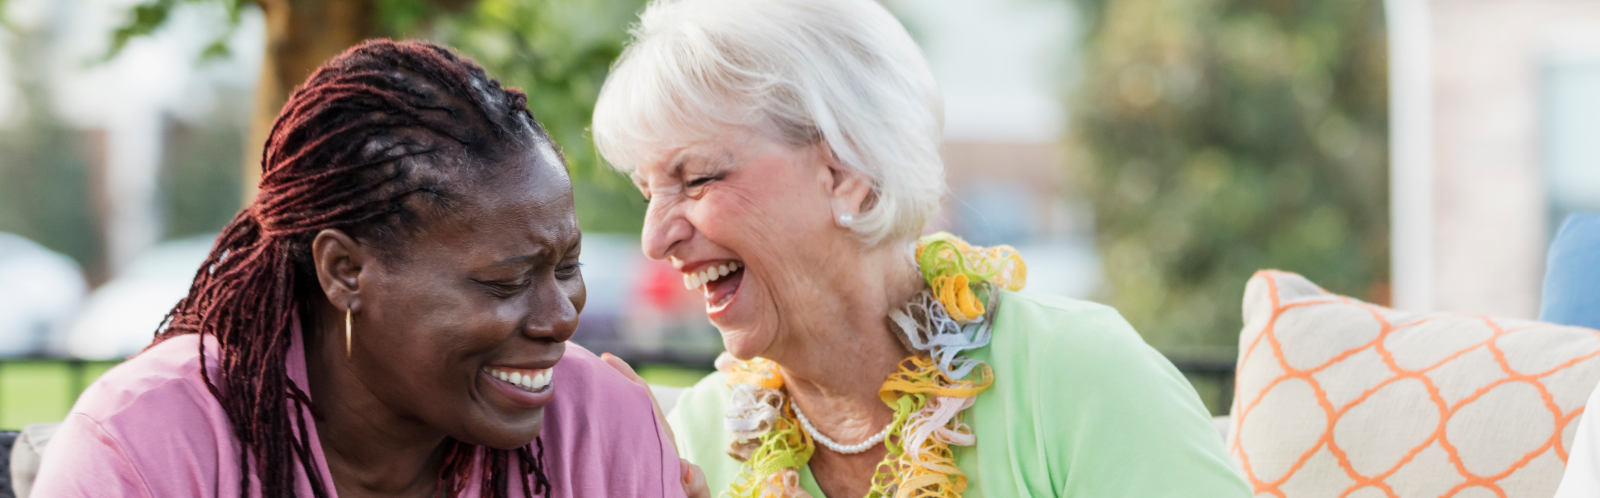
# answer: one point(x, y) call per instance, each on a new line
point(363, 146)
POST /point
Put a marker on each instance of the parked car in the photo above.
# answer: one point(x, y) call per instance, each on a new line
point(39, 291)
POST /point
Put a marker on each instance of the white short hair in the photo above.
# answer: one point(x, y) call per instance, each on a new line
point(844, 72)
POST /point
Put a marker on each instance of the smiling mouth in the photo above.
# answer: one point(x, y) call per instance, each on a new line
point(719, 282)
point(532, 381)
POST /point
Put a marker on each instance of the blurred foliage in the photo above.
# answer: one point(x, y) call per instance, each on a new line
point(558, 51)
point(1218, 137)
point(145, 18)
point(48, 180)
point(201, 161)
point(45, 180)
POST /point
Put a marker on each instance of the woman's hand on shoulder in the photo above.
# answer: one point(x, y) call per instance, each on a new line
point(693, 479)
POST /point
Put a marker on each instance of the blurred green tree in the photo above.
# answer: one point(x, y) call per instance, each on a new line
point(558, 51)
point(198, 157)
point(1218, 137)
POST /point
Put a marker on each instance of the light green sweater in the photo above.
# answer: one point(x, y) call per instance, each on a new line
point(1081, 407)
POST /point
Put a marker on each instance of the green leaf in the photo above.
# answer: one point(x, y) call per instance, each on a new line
point(144, 19)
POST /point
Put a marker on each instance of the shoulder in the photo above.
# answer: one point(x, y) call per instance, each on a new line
point(580, 366)
point(1043, 324)
point(162, 383)
point(1110, 414)
point(1077, 349)
point(1063, 355)
point(1047, 309)
point(585, 382)
point(602, 425)
point(586, 386)
point(146, 424)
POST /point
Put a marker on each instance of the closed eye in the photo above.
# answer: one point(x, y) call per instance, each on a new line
point(696, 187)
point(568, 271)
point(504, 290)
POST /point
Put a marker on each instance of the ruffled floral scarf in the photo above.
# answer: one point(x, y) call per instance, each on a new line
point(928, 392)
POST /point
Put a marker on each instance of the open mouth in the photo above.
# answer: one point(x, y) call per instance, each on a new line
point(719, 282)
point(533, 381)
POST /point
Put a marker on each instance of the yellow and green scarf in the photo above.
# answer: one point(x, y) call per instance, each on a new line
point(927, 393)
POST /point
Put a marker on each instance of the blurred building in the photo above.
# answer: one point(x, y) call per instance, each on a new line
point(39, 291)
point(1003, 67)
point(135, 118)
point(1496, 138)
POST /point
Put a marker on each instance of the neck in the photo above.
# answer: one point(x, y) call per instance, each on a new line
point(370, 449)
point(834, 372)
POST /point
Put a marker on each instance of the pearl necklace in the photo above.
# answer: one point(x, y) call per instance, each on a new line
point(846, 449)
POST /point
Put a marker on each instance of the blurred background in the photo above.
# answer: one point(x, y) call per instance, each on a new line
point(1149, 154)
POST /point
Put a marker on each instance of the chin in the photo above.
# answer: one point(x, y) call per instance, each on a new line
point(506, 435)
point(744, 344)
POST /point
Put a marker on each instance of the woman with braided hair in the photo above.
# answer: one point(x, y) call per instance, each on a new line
point(386, 319)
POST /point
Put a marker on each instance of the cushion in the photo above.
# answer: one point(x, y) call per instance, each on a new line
point(1336, 397)
point(26, 455)
point(1572, 274)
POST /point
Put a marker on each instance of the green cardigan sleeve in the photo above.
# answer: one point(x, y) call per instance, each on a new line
point(696, 422)
point(1113, 416)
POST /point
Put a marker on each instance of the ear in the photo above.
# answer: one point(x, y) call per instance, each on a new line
point(338, 260)
point(848, 189)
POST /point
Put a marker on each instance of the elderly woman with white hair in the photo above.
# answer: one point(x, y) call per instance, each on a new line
point(789, 152)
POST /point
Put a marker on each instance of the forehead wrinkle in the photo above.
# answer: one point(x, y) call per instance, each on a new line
point(517, 217)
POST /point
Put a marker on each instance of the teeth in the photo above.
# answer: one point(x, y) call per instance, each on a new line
point(698, 279)
point(532, 382)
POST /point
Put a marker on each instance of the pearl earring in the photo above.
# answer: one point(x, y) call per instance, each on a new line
point(846, 219)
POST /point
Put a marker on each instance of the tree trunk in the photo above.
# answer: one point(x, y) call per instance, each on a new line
point(301, 34)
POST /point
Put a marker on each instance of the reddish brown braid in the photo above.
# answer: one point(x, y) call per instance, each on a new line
point(369, 129)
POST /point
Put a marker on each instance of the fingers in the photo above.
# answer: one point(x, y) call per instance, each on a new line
point(694, 480)
point(623, 368)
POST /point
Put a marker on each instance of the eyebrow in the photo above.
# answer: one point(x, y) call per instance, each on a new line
point(516, 260)
point(676, 171)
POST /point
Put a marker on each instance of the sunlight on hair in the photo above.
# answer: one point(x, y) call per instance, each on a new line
point(843, 72)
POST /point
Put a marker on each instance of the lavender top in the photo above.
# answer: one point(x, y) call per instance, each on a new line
point(150, 428)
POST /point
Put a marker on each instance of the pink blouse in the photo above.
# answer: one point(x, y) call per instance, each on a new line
point(150, 428)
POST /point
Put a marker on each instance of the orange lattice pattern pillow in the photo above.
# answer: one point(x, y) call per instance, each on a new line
point(1340, 398)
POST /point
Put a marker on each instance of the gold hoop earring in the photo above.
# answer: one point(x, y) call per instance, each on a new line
point(347, 333)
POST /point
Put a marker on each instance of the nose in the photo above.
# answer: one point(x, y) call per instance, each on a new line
point(665, 228)
point(554, 312)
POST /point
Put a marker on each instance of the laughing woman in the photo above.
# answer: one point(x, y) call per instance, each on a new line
point(388, 318)
point(789, 150)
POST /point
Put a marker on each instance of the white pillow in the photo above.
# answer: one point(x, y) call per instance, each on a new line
point(1337, 397)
